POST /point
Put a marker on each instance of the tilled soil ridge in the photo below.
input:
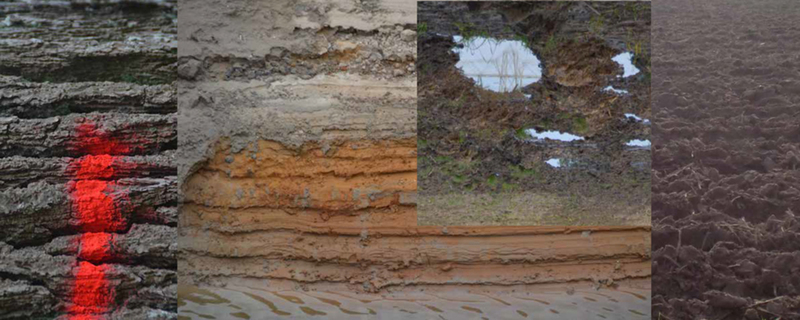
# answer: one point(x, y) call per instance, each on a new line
point(725, 160)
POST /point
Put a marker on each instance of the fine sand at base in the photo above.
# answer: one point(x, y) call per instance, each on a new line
point(581, 301)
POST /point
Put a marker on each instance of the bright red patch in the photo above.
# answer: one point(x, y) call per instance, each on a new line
point(93, 140)
point(96, 247)
point(94, 167)
point(99, 214)
point(94, 208)
point(92, 293)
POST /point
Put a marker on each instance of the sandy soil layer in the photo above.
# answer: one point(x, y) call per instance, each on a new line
point(478, 162)
point(579, 302)
point(725, 160)
point(88, 178)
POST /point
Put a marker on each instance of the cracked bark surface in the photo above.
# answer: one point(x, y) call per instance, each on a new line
point(88, 186)
point(38, 100)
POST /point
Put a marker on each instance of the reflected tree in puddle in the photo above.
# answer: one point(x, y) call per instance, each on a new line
point(497, 65)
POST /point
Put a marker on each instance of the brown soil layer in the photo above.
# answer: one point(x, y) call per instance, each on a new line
point(88, 175)
point(345, 214)
point(725, 160)
point(472, 141)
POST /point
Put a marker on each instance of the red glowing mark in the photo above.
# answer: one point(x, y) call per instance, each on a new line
point(92, 292)
point(93, 140)
point(94, 208)
point(96, 247)
point(98, 214)
point(94, 167)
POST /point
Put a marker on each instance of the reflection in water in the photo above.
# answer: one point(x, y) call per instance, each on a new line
point(637, 118)
point(553, 135)
point(625, 59)
point(638, 143)
point(497, 65)
point(617, 91)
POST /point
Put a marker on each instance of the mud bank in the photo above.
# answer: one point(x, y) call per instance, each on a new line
point(725, 160)
point(88, 194)
point(553, 147)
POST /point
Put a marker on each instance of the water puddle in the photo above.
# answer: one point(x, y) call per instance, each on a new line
point(617, 91)
point(553, 311)
point(522, 313)
point(625, 60)
point(553, 135)
point(241, 315)
point(554, 162)
point(638, 143)
point(637, 118)
point(498, 65)
point(590, 299)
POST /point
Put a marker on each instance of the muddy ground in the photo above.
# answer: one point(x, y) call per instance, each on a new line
point(477, 164)
point(726, 185)
point(88, 177)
